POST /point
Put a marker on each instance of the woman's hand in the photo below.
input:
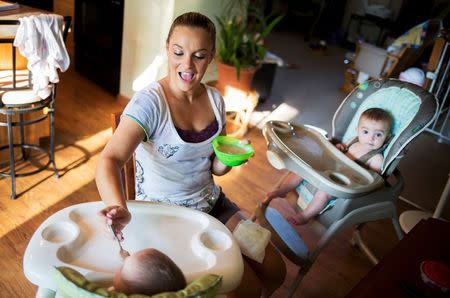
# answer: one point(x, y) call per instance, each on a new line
point(117, 217)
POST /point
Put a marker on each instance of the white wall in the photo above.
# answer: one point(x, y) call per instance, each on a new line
point(146, 24)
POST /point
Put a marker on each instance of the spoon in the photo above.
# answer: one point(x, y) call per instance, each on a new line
point(123, 252)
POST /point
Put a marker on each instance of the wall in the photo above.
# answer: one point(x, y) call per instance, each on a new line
point(146, 24)
point(357, 6)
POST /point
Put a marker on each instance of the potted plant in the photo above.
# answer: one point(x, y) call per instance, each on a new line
point(241, 46)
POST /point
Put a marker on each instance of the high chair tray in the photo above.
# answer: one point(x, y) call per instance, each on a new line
point(76, 237)
point(308, 153)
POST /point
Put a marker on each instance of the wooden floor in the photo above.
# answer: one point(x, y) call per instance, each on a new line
point(83, 128)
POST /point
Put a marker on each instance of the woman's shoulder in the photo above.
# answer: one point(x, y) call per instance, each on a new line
point(150, 96)
point(214, 94)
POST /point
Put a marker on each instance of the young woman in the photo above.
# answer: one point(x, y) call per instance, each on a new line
point(170, 125)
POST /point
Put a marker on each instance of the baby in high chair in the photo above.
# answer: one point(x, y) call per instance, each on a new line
point(373, 131)
point(148, 272)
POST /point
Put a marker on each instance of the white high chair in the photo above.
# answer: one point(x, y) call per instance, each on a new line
point(360, 195)
point(74, 237)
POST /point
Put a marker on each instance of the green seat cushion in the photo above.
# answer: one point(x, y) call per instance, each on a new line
point(72, 284)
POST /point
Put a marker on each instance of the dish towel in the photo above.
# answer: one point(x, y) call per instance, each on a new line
point(39, 39)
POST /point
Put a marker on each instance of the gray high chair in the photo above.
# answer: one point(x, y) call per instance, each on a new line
point(371, 197)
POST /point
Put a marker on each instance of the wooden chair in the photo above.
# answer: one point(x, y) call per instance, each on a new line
point(128, 171)
point(378, 63)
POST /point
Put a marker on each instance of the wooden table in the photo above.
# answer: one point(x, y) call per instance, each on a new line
point(428, 240)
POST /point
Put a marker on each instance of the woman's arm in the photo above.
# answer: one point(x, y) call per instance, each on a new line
point(108, 178)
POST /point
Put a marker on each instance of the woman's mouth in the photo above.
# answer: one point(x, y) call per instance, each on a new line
point(186, 76)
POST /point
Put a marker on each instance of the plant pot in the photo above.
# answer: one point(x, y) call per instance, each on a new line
point(227, 76)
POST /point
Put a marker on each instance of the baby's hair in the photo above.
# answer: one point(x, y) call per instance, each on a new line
point(378, 114)
point(152, 272)
point(197, 20)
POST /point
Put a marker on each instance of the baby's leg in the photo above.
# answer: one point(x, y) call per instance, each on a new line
point(317, 204)
point(282, 205)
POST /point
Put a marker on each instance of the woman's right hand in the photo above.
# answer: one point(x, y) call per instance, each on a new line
point(117, 217)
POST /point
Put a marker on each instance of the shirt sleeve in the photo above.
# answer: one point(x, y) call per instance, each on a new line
point(220, 104)
point(144, 109)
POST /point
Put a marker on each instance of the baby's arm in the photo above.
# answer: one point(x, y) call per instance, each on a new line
point(342, 147)
point(375, 163)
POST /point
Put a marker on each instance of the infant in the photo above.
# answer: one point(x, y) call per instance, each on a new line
point(148, 272)
point(373, 131)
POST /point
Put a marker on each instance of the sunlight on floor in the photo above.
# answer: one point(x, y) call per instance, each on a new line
point(76, 164)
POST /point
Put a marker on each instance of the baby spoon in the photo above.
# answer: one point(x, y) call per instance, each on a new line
point(123, 252)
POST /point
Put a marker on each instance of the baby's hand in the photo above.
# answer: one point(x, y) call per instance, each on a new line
point(341, 147)
point(117, 217)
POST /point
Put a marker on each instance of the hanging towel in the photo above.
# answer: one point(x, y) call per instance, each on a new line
point(39, 39)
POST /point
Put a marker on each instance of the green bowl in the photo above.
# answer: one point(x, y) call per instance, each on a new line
point(230, 151)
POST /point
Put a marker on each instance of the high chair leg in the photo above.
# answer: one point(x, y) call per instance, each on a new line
point(397, 228)
point(358, 241)
point(298, 278)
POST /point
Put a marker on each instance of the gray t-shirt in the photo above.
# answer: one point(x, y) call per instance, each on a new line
point(168, 169)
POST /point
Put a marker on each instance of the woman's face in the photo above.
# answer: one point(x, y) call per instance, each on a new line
point(189, 53)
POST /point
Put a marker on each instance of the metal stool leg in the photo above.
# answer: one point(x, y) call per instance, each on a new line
point(22, 138)
point(52, 142)
point(11, 157)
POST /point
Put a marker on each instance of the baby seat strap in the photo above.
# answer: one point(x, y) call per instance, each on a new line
point(366, 157)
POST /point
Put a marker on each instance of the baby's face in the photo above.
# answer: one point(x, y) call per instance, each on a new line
point(372, 134)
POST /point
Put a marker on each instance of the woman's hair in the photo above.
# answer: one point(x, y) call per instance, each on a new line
point(378, 114)
point(149, 272)
point(196, 20)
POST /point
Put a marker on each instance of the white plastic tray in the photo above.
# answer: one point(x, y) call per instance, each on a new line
point(309, 154)
point(75, 236)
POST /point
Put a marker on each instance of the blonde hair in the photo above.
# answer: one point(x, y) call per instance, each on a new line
point(196, 20)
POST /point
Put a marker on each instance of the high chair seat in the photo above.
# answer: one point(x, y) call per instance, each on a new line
point(310, 155)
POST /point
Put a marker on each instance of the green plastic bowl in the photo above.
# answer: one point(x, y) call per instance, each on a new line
point(230, 151)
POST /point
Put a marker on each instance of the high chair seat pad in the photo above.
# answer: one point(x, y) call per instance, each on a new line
point(71, 283)
point(20, 97)
point(287, 233)
point(306, 152)
point(75, 237)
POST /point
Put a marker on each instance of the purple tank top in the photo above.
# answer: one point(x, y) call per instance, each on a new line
point(197, 137)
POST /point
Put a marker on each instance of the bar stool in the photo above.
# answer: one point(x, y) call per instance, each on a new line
point(20, 107)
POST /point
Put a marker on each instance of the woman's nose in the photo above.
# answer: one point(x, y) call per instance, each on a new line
point(187, 61)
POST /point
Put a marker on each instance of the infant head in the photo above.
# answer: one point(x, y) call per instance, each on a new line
point(374, 128)
point(148, 272)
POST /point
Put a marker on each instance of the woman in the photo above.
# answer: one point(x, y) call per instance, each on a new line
point(170, 126)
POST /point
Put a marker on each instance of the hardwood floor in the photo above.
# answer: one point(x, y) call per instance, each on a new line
point(83, 127)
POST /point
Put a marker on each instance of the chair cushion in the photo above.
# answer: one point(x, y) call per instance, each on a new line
point(20, 97)
point(70, 283)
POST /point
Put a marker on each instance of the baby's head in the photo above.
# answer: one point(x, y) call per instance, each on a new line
point(148, 272)
point(374, 128)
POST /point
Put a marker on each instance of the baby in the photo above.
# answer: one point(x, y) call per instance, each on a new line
point(373, 130)
point(148, 272)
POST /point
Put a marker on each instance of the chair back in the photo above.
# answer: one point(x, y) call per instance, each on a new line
point(128, 171)
point(409, 54)
point(411, 107)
